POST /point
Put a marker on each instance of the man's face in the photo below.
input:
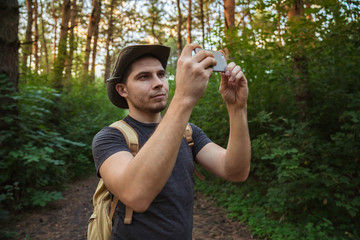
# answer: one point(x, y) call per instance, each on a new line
point(147, 88)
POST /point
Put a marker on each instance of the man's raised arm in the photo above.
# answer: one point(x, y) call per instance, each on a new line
point(232, 163)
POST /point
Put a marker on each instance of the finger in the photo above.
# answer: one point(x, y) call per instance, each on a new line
point(224, 80)
point(229, 69)
point(234, 73)
point(223, 53)
point(200, 56)
point(209, 72)
point(187, 51)
point(208, 62)
point(240, 77)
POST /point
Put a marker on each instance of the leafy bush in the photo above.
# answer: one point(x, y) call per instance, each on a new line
point(304, 179)
point(84, 111)
point(35, 160)
point(296, 190)
point(50, 144)
point(213, 103)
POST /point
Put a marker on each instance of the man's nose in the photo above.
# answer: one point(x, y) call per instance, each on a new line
point(158, 83)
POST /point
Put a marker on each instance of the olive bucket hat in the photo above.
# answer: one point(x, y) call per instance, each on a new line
point(126, 57)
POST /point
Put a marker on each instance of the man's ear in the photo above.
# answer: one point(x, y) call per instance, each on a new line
point(121, 89)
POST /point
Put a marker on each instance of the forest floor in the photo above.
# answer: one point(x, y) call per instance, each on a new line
point(67, 218)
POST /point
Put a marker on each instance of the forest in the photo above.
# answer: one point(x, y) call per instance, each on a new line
point(301, 59)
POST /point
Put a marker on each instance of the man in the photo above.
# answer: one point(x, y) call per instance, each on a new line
point(158, 183)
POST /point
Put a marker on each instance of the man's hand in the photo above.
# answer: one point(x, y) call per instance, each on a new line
point(234, 87)
point(193, 73)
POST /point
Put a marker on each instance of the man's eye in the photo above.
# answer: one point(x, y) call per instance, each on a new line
point(143, 77)
point(161, 75)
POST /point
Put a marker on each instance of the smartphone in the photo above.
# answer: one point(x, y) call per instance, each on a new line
point(220, 59)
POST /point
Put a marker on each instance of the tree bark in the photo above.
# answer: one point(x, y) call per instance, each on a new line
point(229, 13)
point(154, 19)
point(62, 48)
point(300, 63)
point(179, 43)
point(9, 60)
point(91, 31)
point(96, 35)
point(54, 15)
point(109, 40)
point(229, 16)
point(279, 24)
point(72, 43)
point(44, 41)
point(189, 22)
point(28, 40)
point(36, 37)
point(208, 24)
point(202, 21)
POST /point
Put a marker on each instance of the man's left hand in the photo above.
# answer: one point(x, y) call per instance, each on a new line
point(234, 87)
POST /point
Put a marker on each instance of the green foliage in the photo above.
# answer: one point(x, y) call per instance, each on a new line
point(32, 163)
point(40, 198)
point(304, 179)
point(217, 127)
point(6, 234)
point(50, 144)
point(305, 195)
point(85, 110)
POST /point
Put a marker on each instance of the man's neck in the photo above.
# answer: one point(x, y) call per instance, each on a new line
point(145, 117)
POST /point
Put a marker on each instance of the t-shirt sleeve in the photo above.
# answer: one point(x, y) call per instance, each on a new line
point(200, 139)
point(105, 143)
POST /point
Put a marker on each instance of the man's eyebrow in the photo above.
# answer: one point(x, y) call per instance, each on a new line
point(148, 72)
point(141, 73)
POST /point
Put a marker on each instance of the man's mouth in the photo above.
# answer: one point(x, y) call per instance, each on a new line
point(159, 95)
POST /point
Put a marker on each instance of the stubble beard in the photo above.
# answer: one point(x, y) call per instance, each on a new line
point(144, 107)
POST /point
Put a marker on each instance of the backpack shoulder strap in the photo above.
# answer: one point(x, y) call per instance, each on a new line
point(132, 141)
point(130, 135)
point(189, 139)
point(188, 135)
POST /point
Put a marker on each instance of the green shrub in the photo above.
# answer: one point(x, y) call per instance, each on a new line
point(50, 144)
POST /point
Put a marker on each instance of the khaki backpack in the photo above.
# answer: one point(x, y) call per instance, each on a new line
point(100, 222)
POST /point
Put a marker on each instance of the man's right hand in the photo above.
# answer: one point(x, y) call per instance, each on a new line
point(193, 73)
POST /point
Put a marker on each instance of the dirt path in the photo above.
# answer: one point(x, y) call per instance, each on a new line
point(66, 219)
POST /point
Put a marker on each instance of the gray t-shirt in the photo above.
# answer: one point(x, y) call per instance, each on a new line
point(170, 215)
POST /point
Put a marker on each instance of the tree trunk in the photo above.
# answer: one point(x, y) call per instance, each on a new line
point(179, 44)
point(229, 15)
point(202, 21)
point(44, 43)
point(109, 40)
point(279, 24)
point(295, 11)
point(300, 68)
point(62, 48)
point(208, 24)
point(28, 41)
point(91, 31)
point(154, 21)
point(72, 43)
point(189, 22)
point(9, 61)
point(54, 15)
point(96, 34)
point(36, 37)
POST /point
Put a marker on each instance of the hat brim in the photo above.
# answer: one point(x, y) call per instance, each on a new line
point(126, 57)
